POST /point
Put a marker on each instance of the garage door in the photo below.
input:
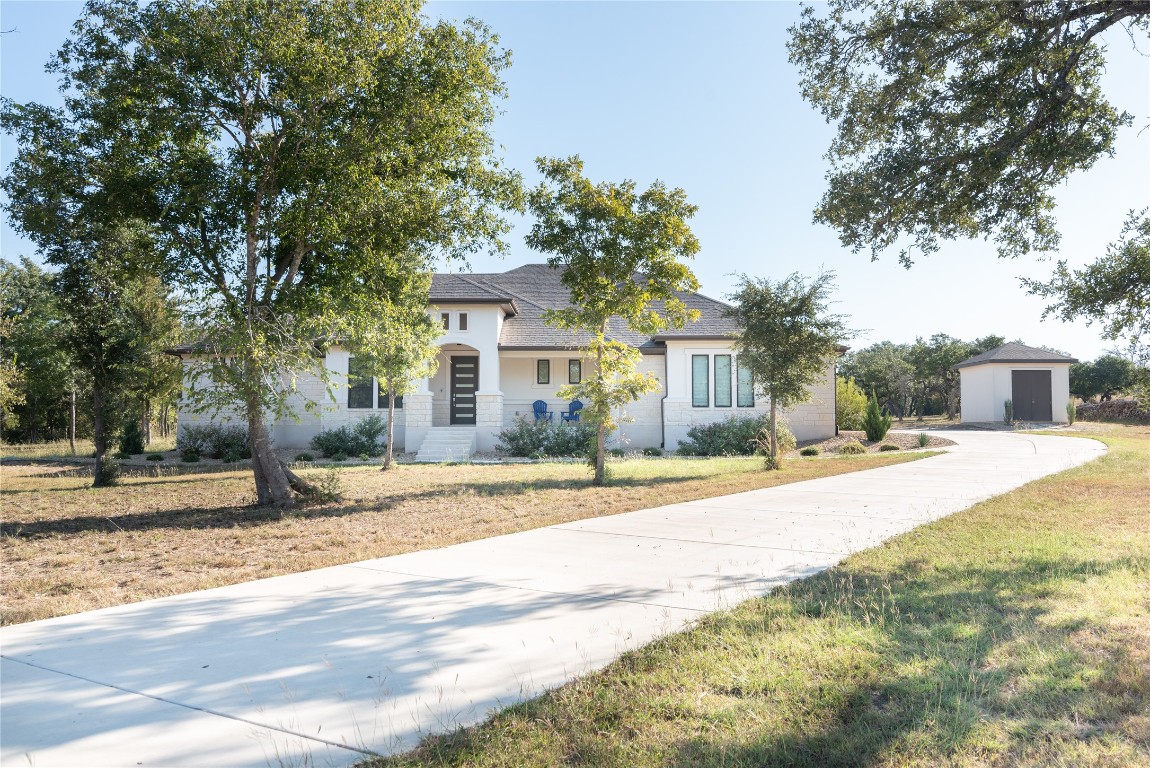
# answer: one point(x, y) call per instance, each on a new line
point(1030, 391)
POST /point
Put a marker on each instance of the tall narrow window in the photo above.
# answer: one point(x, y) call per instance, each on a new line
point(463, 321)
point(384, 399)
point(445, 318)
point(542, 371)
point(746, 386)
point(700, 381)
point(574, 371)
point(358, 385)
point(722, 381)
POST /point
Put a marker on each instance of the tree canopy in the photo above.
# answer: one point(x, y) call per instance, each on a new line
point(620, 251)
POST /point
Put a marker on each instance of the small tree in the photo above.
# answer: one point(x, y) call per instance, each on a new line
point(850, 404)
point(875, 423)
point(787, 337)
point(620, 253)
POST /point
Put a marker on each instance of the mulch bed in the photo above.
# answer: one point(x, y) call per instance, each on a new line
point(904, 440)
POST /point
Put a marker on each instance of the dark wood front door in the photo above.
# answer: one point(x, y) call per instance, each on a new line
point(464, 382)
point(1030, 392)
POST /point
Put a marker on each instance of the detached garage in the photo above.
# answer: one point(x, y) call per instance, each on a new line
point(1036, 381)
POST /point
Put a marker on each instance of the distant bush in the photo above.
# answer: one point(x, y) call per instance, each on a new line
point(875, 423)
point(231, 457)
point(850, 404)
point(617, 452)
point(155, 457)
point(215, 441)
point(364, 457)
point(536, 439)
point(339, 456)
point(852, 448)
point(304, 457)
point(734, 436)
point(363, 438)
point(810, 450)
point(131, 439)
point(1123, 411)
point(109, 471)
point(652, 451)
point(189, 456)
point(123, 455)
point(889, 447)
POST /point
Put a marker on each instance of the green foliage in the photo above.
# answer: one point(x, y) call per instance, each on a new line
point(215, 441)
point(889, 447)
point(338, 456)
point(1105, 377)
point(131, 439)
point(1071, 412)
point(330, 486)
point(810, 450)
point(631, 273)
point(617, 452)
point(854, 447)
point(362, 438)
point(304, 457)
point(189, 455)
point(875, 423)
point(850, 404)
point(155, 457)
point(537, 439)
point(733, 436)
point(956, 119)
point(107, 472)
point(923, 439)
point(1008, 411)
point(652, 451)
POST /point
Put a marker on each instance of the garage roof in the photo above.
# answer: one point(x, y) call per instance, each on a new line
point(1013, 352)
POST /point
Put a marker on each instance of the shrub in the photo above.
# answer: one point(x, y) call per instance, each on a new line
point(362, 438)
point(189, 456)
point(1071, 411)
point(155, 457)
point(339, 456)
point(852, 448)
point(131, 439)
point(544, 438)
point(850, 404)
point(109, 471)
point(364, 457)
point(617, 452)
point(330, 486)
point(923, 439)
point(652, 451)
point(810, 450)
point(304, 457)
point(231, 457)
point(123, 455)
point(734, 436)
point(889, 447)
point(215, 441)
point(1007, 411)
point(875, 423)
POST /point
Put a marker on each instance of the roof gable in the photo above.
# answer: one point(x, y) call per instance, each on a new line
point(1013, 352)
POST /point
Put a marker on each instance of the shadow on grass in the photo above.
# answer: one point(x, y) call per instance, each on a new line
point(936, 667)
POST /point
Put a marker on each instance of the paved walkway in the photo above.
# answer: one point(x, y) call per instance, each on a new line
point(316, 668)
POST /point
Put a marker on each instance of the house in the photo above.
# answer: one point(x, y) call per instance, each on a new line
point(498, 356)
point(1035, 381)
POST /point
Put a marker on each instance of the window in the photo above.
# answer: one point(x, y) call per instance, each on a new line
point(463, 321)
point(722, 381)
point(700, 381)
point(384, 399)
point(574, 371)
point(358, 385)
point(746, 387)
point(542, 371)
point(445, 318)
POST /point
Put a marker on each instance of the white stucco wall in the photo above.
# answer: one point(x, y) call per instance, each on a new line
point(984, 389)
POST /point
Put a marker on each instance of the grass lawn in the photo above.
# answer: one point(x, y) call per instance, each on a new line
point(1014, 633)
point(68, 548)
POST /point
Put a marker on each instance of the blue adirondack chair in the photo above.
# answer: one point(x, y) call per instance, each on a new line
point(572, 412)
point(541, 412)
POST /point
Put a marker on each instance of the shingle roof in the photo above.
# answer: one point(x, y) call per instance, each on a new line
point(1013, 352)
point(536, 288)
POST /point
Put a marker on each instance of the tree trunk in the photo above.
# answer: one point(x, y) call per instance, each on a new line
point(390, 430)
point(99, 436)
point(272, 485)
point(146, 422)
point(72, 425)
point(774, 435)
point(601, 456)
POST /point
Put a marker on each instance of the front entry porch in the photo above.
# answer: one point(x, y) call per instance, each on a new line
point(462, 398)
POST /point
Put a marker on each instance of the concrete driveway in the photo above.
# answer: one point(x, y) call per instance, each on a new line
point(325, 667)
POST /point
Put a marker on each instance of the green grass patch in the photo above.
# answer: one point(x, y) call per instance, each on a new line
point(1014, 633)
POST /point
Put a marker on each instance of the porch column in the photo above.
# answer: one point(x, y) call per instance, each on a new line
point(416, 415)
point(488, 419)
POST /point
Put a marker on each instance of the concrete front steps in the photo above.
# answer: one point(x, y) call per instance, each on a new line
point(447, 444)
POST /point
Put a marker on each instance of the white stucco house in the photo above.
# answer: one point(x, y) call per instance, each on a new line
point(1036, 381)
point(498, 356)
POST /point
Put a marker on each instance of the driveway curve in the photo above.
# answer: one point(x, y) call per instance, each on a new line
point(327, 666)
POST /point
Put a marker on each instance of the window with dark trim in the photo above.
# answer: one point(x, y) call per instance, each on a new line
point(542, 371)
point(463, 321)
point(445, 318)
point(746, 396)
point(384, 398)
point(722, 381)
point(700, 381)
point(358, 385)
point(574, 371)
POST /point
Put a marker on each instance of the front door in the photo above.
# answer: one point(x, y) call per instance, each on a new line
point(1030, 392)
point(464, 382)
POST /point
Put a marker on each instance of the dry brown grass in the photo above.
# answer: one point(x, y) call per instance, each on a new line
point(68, 548)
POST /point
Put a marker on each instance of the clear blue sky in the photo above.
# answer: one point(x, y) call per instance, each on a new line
point(701, 96)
